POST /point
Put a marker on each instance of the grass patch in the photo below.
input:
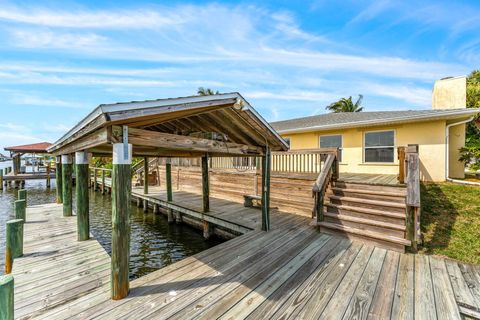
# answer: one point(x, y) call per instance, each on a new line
point(450, 221)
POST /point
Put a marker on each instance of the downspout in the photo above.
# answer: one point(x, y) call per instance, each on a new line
point(447, 153)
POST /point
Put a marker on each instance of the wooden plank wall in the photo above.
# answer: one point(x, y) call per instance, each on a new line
point(289, 192)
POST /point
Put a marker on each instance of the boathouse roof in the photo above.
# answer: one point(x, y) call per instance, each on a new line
point(40, 147)
point(221, 124)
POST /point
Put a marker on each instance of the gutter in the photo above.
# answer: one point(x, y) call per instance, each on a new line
point(447, 135)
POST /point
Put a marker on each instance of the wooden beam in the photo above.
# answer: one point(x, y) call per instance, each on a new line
point(141, 137)
point(205, 184)
point(97, 138)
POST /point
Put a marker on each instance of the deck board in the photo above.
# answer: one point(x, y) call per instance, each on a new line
point(291, 272)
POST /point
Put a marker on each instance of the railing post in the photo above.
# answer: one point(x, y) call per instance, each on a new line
point(13, 243)
point(6, 297)
point(319, 206)
point(1, 179)
point(401, 164)
point(121, 190)
point(67, 167)
point(83, 221)
point(20, 209)
point(168, 182)
point(413, 200)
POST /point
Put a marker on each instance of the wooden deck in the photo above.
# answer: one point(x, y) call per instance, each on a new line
point(56, 268)
point(367, 178)
point(290, 272)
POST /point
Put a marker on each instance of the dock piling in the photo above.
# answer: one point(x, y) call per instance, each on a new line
point(22, 195)
point(1, 179)
point(121, 190)
point(205, 184)
point(13, 243)
point(103, 181)
point(145, 183)
point(20, 209)
point(67, 184)
point(83, 223)
point(6, 297)
point(58, 179)
point(48, 176)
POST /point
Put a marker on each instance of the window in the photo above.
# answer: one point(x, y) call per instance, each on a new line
point(379, 146)
point(334, 141)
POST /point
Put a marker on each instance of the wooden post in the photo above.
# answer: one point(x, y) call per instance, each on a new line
point(168, 179)
point(13, 243)
point(83, 221)
point(6, 297)
point(94, 179)
point(145, 183)
point(266, 190)
point(121, 190)
point(103, 181)
point(48, 175)
point(67, 184)
point(207, 230)
point(58, 179)
point(319, 205)
point(401, 164)
point(1, 179)
point(20, 209)
point(205, 184)
point(22, 195)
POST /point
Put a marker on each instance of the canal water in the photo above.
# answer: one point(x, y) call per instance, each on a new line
point(154, 243)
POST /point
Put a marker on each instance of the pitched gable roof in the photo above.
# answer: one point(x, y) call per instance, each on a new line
point(342, 120)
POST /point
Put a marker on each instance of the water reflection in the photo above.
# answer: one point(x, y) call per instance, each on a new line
point(154, 243)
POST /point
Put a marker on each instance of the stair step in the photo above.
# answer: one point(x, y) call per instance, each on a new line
point(364, 233)
point(367, 211)
point(372, 192)
point(365, 221)
point(369, 201)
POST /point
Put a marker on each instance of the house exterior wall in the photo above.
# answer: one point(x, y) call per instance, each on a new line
point(456, 140)
point(430, 136)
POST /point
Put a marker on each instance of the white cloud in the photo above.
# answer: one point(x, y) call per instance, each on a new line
point(31, 38)
point(132, 19)
point(34, 100)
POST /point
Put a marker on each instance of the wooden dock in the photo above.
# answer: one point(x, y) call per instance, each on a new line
point(290, 272)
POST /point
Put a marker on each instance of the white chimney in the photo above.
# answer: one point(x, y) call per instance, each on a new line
point(450, 93)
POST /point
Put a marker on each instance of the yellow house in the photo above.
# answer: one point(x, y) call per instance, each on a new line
point(368, 141)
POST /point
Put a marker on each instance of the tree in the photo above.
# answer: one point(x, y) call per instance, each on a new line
point(206, 91)
point(346, 105)
point(470, 154)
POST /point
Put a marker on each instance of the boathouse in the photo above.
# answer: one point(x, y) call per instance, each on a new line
point(199, 126)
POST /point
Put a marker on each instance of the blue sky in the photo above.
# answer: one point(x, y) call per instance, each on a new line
point(58, 60)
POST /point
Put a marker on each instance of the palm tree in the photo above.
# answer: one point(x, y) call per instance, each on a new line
point(206, 91)
point(346, 105)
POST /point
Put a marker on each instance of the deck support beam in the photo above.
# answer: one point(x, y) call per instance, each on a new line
point(83, 221)
point(145, 183)
point(67, 184)
point(266, 190)
point(205, 184)
point(121, 190)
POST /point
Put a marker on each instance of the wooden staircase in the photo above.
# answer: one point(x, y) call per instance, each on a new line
point(373, 214)
point(387, 216)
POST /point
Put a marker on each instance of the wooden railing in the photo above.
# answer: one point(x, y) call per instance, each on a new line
point(412, 200)
point(328, 173)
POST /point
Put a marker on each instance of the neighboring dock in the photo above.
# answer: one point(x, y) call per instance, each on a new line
point(289, 272)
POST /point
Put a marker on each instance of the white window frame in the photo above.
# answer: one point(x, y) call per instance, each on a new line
point(364, 147)
point(333, 135)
